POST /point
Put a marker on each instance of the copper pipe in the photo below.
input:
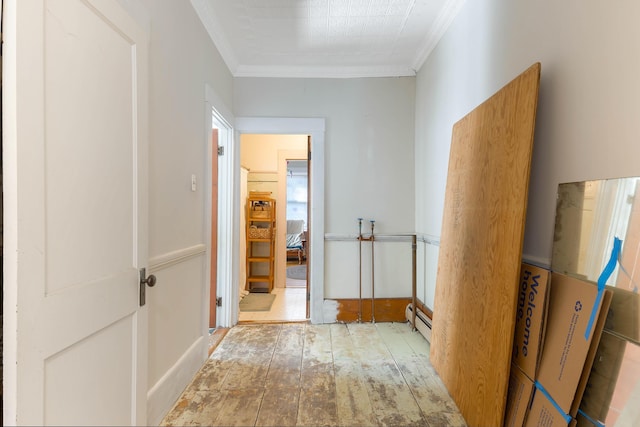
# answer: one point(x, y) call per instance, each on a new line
point(413, 281)
point(373, 288)
point(360, 270)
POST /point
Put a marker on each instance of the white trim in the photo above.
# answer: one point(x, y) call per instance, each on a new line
point(163, 395)
point(228, 239)
point(308, 126)
point(440, 26)
point(10, 212)
point(323, 71)
point(399, 237)
point(389, 237)
point(170, 259)
point(216, 102)
point(428, 239)
point(281, 125)
point(204, 10)
point(227, 244)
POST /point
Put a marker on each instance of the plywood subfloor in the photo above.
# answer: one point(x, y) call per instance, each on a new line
point(297, 374)
point(481, 248)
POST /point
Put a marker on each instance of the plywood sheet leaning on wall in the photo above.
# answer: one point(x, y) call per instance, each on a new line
point(481, 249)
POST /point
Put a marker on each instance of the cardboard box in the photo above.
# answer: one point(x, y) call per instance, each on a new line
point(598, 332)
point(518, 397)
point(566, 349)
point(544, 413)
point(531, 309)
point(531, 313)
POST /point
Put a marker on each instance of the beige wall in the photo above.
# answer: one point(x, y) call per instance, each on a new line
point(265, 157)
point(259, 153)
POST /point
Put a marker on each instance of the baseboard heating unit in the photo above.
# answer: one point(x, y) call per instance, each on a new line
point(423, 322)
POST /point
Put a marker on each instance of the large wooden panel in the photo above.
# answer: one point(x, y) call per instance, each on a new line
point(481, 248)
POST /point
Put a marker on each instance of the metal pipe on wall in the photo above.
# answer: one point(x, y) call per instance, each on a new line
point(360, 271)
point(414, 297)
point(385, 237)
point(373, 287)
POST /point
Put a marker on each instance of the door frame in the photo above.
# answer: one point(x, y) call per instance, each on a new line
point(315, 128)
point(226, 274)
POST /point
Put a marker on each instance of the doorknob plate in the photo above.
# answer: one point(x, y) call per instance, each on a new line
point(144, 282)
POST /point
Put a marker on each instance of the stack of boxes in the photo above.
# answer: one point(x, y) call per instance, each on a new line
point(559, 322)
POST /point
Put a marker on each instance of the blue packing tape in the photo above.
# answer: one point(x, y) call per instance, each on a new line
point(602, 281)
point(566, 417)
point(591, 420)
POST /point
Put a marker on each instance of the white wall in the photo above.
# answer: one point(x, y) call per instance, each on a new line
point(589, 102)
point(369, 167)
point(182, 61)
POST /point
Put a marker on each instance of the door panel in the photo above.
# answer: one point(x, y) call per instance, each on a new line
point(80, 117)
point(64, 384)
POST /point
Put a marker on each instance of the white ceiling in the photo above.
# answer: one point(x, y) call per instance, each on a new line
point(325, 38)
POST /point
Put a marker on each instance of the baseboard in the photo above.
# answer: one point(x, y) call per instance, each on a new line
point(537, 261)
point(164, 394)
point(385, 309)
point(423, 321)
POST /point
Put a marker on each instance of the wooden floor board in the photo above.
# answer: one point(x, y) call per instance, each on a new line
point(367, 342)
point(352, 397)
point(286, 363)
point(212, 375)
point(414, 339)
point(391, 398)
point(317, 375)
point(239, 407)
point(195, 408)
point(353, 403)
point(279, 407)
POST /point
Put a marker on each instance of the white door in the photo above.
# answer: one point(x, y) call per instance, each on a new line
point(76, 102)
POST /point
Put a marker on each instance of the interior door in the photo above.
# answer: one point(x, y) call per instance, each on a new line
point(78, 131)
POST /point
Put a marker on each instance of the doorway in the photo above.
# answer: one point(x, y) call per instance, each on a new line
point(315, 128)
point(266, 158)
point(219, 220)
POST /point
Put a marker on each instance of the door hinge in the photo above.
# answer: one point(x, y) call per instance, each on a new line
point(220, 150)
point(309, 155)
point(219, 301)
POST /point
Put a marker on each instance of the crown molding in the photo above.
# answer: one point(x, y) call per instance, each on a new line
point(322, 71)
point(440, 26)
point(206, 14)
point(211, 24)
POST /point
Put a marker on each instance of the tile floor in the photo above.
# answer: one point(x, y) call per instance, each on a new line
point(289, 305)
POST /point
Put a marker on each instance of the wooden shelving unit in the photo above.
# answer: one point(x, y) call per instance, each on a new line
point(261, 242)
